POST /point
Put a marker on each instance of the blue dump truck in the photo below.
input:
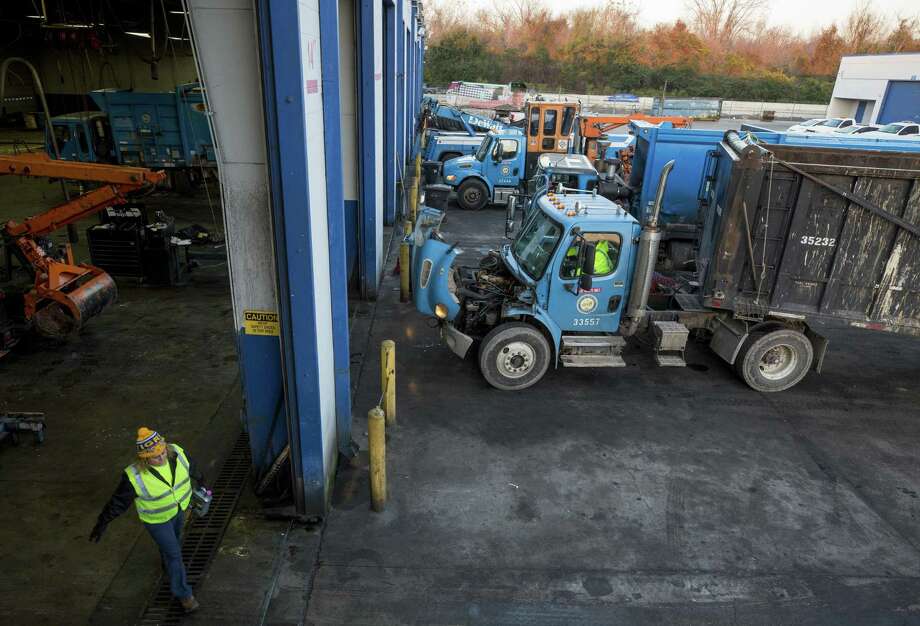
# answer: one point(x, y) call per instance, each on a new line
point(696, 152)
point(158, 130)
point(441, 146)
point(800, 236)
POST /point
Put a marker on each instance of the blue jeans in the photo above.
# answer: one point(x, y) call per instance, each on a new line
point(168, 536)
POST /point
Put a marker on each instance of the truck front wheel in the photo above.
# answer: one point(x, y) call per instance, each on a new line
point(774, 361)
point(472, 195)
point(514, 356)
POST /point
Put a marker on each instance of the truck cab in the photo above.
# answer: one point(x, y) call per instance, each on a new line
point(444, 145)
point(490, 175)
point(572, 171)
point(550, 128)
point(555, 295)
point(85, 136)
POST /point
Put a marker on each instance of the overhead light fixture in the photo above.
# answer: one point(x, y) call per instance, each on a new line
point(35, 17)
point(133, 34)
point(177, 12)
point(178, 38)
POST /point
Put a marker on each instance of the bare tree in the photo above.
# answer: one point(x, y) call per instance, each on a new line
point(863, 29)
point(905, 37)
point(724, 20)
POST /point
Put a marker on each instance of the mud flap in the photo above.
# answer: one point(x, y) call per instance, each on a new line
point(458, 342)
point(727, 338)
point(819, 345)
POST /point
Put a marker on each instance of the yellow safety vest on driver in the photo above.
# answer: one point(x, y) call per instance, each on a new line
point(602, 264)
point(155, 501)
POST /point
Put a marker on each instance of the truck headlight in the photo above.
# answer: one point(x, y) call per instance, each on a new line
point(450, 178)
point(440, 311)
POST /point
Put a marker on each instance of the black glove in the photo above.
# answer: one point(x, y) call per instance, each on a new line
point(96, 534)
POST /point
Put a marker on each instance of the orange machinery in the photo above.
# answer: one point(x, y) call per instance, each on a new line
point(64, 294)
point(593, 127)
point(550, 127)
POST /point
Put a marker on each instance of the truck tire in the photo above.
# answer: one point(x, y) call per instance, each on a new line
point(775, 360)
point(472, 195)
point(514, 356)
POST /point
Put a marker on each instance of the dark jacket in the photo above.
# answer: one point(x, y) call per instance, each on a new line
point(124, 494)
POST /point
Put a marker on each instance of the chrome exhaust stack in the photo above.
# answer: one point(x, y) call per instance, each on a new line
point(649, 241)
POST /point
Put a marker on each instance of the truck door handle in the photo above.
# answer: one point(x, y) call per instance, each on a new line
point(515, 171)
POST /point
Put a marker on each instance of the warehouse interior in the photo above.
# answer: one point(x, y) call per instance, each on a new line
point(255, 283)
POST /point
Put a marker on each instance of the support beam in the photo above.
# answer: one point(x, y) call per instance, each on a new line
point(335, 212)
point(390, 163)
point(227, 59)
point(370, 116)
point(401, 86)
point(292, 76)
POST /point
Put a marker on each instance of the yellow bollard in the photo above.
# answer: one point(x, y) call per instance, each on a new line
point(413, 201)
point(388, 379)
point(418, 166)
point(404, 270)
point(377, 444)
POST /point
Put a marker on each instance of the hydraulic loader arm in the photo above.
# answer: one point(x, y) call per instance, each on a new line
point(118, 181)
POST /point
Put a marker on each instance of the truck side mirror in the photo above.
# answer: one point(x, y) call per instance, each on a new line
point(586, 258)
point(497, 155)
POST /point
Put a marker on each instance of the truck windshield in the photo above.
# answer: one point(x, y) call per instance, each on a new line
point(483, 148)
point(535, 245)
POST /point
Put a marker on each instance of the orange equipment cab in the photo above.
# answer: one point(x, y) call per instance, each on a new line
point(592, 127)
point(64, 294)
point(550, 127)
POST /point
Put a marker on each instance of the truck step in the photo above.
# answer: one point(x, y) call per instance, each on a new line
point(592, 360)
point(670, 360)
point(670, 341)
point(609, 342)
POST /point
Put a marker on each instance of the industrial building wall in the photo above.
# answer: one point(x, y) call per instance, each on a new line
point(865, 79)
point(296, 95)
point(225, 34)
point(65, 71)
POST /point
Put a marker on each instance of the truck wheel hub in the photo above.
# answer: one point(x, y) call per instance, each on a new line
point(471, 196)
point(515, 359)
point(778, 362)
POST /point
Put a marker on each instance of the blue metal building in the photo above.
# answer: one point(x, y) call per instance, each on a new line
point(313, 104)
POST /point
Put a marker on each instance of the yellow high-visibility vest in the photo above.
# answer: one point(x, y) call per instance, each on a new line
point(155, 501)
point(602, 262)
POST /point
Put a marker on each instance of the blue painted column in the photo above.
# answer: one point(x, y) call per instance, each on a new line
point(335, 215)
point(368, 269)
point(410, 80)
point(400, 85)
point(285, 92)
point(390, 162)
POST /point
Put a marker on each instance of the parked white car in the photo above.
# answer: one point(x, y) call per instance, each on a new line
point(831, 125)
point(857, 129)
point(897, 130)
point(801, 127)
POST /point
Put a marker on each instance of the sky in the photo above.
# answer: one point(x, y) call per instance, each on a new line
point(803, 17)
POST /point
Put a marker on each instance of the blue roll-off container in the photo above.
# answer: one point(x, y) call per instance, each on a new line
point(168, 129)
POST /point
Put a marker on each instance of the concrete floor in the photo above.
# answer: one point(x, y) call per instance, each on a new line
point(160, 356)
point(634, 496)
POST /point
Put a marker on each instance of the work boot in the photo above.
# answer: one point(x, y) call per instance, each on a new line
point(190, 604)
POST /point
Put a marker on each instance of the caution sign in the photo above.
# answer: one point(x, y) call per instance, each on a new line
point(261, 323)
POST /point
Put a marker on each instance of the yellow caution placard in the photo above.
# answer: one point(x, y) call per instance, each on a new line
point(261, 323)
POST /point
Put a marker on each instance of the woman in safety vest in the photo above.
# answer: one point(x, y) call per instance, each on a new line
point(159, 484)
